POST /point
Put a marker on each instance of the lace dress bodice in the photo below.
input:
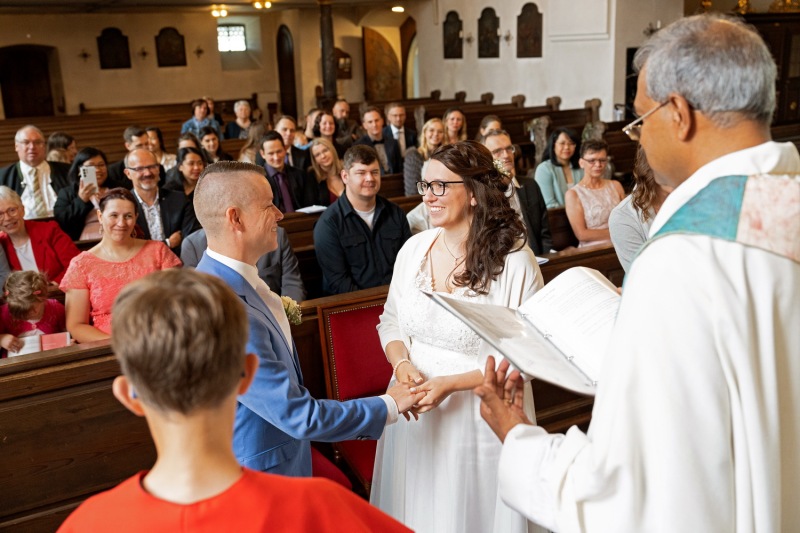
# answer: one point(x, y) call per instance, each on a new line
point(597, 206)
point(440, 343)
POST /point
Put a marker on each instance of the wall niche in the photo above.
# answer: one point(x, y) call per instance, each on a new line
point(529, 31)
point(453, 36)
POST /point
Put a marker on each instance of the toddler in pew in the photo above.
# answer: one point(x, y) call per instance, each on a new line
point(27, 311)
point(184, 376)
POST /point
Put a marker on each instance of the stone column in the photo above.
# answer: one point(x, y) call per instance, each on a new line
point(328, 55)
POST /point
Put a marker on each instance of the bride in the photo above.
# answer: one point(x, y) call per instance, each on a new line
point(439, 474)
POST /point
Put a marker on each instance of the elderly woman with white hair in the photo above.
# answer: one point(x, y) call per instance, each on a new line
point(238, 128)
point(40, 246)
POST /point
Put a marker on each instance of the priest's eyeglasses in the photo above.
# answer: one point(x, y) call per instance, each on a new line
point(437, 187)
point(634, 129)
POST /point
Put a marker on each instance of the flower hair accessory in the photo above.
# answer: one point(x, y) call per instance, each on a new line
point(292, 310)
point(498, 165)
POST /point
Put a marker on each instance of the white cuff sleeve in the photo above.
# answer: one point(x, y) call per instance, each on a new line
point(391, 409)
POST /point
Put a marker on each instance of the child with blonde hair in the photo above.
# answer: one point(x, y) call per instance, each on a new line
point(27, 310)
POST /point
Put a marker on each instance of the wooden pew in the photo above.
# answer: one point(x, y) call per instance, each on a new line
point(63, 436)
point(560, 229)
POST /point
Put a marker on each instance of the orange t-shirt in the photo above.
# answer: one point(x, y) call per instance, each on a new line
point(256, 502)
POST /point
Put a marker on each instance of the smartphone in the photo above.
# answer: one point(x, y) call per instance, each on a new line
point(89, 175)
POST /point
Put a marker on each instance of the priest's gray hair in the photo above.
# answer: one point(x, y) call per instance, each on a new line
point(720, 65)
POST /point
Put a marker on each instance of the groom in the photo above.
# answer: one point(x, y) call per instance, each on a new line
point(277, 417)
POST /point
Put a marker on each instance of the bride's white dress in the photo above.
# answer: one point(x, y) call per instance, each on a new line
point(439, 474)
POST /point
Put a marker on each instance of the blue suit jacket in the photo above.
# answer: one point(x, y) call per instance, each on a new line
point(277, 417)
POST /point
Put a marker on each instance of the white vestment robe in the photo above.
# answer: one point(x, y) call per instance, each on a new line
point(696, 422)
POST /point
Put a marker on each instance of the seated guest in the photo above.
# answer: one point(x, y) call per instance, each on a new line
point(560, 169)
point(326, 127)
point(389, 158)
point(589, 203)
point(249, 151)
point(455, 126)
point(488, 123)
point(187, 140)
point(76, 205)
point(417, 158)
point(302, 139)
point(524, 193)
point(59, 140)
point(96, 276)
point(396, 128)
point(190, 165)
point(279, 268)
point(210, 141)
point(629, 222)
point(327, 168)
point(34, 179)
point(5, 269)
point(295, 157)
point(348, 129)
point(358, 237)
point(200, 119)
point(185, 367)
point(163, 215)
point(291, 188)
point(28, 311)
point(34, 245)
point(134, 137)
point(238, 128)
point(156, 145)
point(57, 155)
point(212, 113)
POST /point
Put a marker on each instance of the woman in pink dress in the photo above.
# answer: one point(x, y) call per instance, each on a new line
point(95, 277)
point(590, 202)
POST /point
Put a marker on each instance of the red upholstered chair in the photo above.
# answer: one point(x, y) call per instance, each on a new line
point(355, 367)
point(322, 467)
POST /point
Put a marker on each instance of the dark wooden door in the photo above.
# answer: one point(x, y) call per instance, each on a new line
point(286, 79)
point(25, 78)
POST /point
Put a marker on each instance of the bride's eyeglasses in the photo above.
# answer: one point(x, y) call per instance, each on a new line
point(437, 187)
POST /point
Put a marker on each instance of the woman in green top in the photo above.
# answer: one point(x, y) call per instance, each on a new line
point(561, 170)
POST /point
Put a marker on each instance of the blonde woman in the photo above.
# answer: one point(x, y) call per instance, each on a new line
point(328, 170)
point(417, 158)
point(254, 133)
point(455, 126)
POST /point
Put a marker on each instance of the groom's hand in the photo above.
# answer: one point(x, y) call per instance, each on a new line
point(405, 395)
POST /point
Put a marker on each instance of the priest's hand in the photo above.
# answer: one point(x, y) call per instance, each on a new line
point(501, 398)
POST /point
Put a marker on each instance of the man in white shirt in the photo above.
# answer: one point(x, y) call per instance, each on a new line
point(396, 128)
point(695, 423)
point(36, 181)
point(277, 417)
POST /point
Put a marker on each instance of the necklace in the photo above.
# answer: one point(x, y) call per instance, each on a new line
point(455, 259)
point(117, 258)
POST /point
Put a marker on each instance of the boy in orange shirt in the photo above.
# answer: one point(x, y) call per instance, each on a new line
point(180, 338)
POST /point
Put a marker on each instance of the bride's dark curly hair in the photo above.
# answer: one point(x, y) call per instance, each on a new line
point(496, 229)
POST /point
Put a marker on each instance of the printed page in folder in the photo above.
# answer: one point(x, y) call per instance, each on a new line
point(559, 335)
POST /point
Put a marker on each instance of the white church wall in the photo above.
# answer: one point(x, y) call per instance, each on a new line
point(144, 83)
point(580, 50)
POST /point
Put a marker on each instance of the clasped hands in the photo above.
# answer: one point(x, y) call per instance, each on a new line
point(429, 394)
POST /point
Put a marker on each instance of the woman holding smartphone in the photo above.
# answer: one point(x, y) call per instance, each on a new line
point(76, 205)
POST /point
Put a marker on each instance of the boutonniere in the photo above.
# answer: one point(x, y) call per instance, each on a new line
point(292, 310)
